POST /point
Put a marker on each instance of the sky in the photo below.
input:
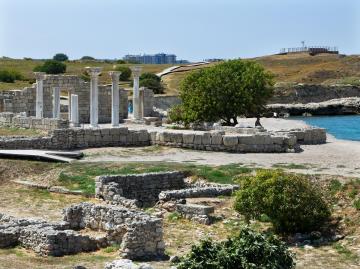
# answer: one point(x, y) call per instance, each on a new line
point(192, 29)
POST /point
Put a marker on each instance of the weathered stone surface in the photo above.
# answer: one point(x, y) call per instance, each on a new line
point(230, 140)
point(138, 189)
point(199, 213)
point(140, 235)
point(126, 264)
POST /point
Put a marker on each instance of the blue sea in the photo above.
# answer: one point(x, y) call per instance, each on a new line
point(342, 127)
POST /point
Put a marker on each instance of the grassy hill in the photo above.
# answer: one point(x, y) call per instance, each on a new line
point(25, 67)
point(295, 68)
point(290, 68)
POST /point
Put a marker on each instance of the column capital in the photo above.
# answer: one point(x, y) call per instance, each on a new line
point(114, 75)
point(39, 75)
point(136, 71)
point(93, 71)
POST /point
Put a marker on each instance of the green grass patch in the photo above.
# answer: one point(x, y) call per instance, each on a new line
point(112, 248)
point(357, 204)
point(335, 186)
point(345, 252)
point(81, 176)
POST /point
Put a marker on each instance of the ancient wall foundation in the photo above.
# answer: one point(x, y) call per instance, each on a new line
point(142, 189)
point(9, 119)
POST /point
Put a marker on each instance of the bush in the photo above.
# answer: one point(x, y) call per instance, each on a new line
point(125, 72)
point(87, 58)
point(151, 81)
point(249, 249)
point(61, 57)
point(51, 67)
point(121, 62)
point(176, 114)
point(292, 202)
point(10, 76)
point(226, 91)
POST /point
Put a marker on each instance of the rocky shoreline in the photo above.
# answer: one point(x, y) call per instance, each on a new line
point(340, 106)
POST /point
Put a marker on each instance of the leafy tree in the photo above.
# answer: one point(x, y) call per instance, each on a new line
point(10, 76)
point(51, 67)
point(87, 58)
point(121, 62)
point(151, 81)
point(248, 250)
point(225, 91)
point(61, 57)
point(125, 72)
point(292, 202)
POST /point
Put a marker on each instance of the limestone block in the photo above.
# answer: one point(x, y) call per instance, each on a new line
point(206, 139)
point(216, 139)
point(230, 140)
point(198, 139)
point(188, 138)
point(246, 139)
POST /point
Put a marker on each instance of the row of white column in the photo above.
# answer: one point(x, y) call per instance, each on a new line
point(94, 73)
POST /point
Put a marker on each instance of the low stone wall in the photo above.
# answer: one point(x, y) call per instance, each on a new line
point(76, 138)
point(44, 238)
point(311, 136)
point(140, 190)
point(208, 191)
point(140, 235)
point(218, 141)
point(67, 139)
point(9, 119)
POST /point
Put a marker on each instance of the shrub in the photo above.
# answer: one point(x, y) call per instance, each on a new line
point(121, 62)
point(151, 81)
point(226, 91)
point(61, 57)
point(292, 202)
point(10, 76)
point(51, 67)
point(125, 72)
point(176, 114)
point(250, 249)
point(87, 58)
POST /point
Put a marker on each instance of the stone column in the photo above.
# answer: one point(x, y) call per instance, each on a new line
point(56, 102)
point(115, 98)
point(40, 76)
point(136, 71)
point(94, 73)
point(74, 110)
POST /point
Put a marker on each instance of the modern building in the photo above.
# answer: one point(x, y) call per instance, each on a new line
point(159, 58)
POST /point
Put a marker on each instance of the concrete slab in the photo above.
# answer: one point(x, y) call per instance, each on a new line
point(43, 155)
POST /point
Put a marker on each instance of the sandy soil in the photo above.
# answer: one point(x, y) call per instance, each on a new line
point(336, 157)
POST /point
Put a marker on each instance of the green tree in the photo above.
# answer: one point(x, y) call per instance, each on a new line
point(51, 67)
point(249, 249)
point(151, 81)
point(61, 57)
point(225, 91)
point(125, 72)
point(292, 202)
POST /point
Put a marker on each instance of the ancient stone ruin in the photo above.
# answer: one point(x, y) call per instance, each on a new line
point(168, 190)
point(139, 234)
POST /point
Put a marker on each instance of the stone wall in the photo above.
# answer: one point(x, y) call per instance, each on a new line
point(165, 102)
point(9, 119)
point(140, 235)
point(67, 139)
point(219, 141)
point(142, 189)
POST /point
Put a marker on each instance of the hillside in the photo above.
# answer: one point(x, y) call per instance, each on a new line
point(295, 68)
point(25, 67)
point(292, 68)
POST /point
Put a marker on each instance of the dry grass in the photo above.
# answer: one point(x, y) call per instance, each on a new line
point(294, 68)
point(25, 67)
point(5, 131)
